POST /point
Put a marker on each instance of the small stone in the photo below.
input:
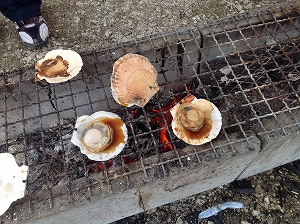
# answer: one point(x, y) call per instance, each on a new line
point(203, 196)
point(139, 36)
point(294, 77)
point(255, 213)
point(78, 3)
point(76, 19)
point(179, 221)
point(245, 222)
point(40, 55)
point(259, 189)
point(224, 79)
point(238, 7)
point(158, 9)
point(27, 59)
point(278, 207)
point(225, 70)
point(267, 200)
point(95, 22)
point(107, 33)
point(200, 201)
point(210, 222)
point(196, 17)
point(270, 41)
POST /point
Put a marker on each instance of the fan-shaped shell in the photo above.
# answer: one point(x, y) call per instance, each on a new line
point(58, 66)
point(113, 136)
point(200, 133)
point(133, 81)
point(12, 181)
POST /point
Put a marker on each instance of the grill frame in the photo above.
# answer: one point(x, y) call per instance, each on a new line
point(189, 65)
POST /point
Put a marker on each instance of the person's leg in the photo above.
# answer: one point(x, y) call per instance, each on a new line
point(18, 10)
point(26, 14)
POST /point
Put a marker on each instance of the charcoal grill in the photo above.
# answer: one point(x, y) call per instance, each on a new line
point(248, 65)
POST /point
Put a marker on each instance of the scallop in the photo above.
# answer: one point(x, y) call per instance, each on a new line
point(58, 66)
point(196, 121)
point(12, 181)
point(101, 136)
point(133, 80)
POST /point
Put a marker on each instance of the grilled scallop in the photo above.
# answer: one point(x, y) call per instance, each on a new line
point(58, 66)
point(196, 121)
point(101, 136)
point(133, 80)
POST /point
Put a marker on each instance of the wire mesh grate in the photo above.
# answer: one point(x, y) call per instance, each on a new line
point(247, 65)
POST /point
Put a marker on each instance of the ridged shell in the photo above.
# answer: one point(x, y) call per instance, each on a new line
point(12, 181)
point(119, 137)
point(211, 126)
point(58, 66)
point(133, 81)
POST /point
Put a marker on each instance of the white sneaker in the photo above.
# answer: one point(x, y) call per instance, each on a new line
point(33, 31)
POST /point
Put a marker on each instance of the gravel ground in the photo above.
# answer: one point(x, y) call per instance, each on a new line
point(87, 25)
point(271, 197)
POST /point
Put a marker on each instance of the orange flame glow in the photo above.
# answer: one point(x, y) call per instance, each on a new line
point(96, 167)
point(164, 138)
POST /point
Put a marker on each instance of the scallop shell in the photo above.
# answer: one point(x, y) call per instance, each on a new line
point(133, 80)
point(12, 181)
point(114, 146)
point(212, 121)
point(58, 66)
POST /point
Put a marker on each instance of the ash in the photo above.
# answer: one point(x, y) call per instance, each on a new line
point(51, 157)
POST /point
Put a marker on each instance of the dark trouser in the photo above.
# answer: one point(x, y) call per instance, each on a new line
point(17, 10)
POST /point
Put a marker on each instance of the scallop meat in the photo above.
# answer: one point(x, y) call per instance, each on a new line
point(58, 66)
point(101, 136)
point(196, 121)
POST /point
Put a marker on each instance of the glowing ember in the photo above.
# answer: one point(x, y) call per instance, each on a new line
point(164, 138)
point(97, 167)
point(128, 160)
point(163, 118)
point(134, 113)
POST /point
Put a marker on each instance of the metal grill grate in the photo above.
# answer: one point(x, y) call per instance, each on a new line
point(247, 65)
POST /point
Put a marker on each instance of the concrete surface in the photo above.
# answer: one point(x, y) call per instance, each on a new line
point(212, 172)
point(277, 149)
point(266, 150)
point(265, 154)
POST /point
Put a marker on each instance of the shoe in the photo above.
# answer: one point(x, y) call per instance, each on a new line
point(33, 31)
